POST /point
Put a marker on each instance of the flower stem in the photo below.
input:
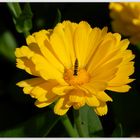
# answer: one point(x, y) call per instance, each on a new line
point(68, 126)
point(26, 33)
point(77, 121)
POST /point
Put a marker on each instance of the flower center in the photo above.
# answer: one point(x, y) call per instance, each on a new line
point(75, 76)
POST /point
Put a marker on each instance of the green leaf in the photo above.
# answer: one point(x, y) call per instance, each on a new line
point(39, 125)
point(8, 45)
point(24, 21)
point(91, 122)
point(84, 120)
point(94, 125)
point(118, 132)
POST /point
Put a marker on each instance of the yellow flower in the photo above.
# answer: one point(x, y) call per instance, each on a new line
point(126, 19)
point(74, 64)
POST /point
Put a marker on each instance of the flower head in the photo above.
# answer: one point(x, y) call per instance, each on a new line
point(126, 19)
point(74, 64)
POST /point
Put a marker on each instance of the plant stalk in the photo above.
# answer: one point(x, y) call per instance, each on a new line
point(68, 126)
point(77, 121)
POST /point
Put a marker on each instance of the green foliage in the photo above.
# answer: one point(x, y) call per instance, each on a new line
point(15, 9)
point(90, 122)
point(21, 18)
point(24, 21)
point(8, 45)
point(39, 125)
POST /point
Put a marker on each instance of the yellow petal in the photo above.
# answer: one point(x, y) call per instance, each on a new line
point(95, 36)
point(29, 84)
point(60, 108)
point(61, 90)
point(81, 37)
point(95, 86)
point(33, 44)
point(60, 44)
point(47, 50)
point(104, 31)
point(46, 70)
point(104, 49)
point(107, 76)
point(122, 75)
point(123, 45)
point(76, 95)
point(30, 39)
point(78, 105)
point(27, 65)
point(117, 51)
point(107, 71)
point(76, 98)
point(42, 104)
point(92, 101)
point(20, 63)
point(24, 55)
point(69, 33)
point(46, 103)
point(24, 51)
point(39, 91)
point(27, 90)
point(43, 92)
point(103, 96)
point(123, 88)
point(102, 109)
point(128, 56)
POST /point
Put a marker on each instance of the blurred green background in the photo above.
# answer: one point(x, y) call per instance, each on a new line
point(18, 115)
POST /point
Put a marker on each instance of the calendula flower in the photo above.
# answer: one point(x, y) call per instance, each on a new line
point(126, 19)
point(74, 64)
